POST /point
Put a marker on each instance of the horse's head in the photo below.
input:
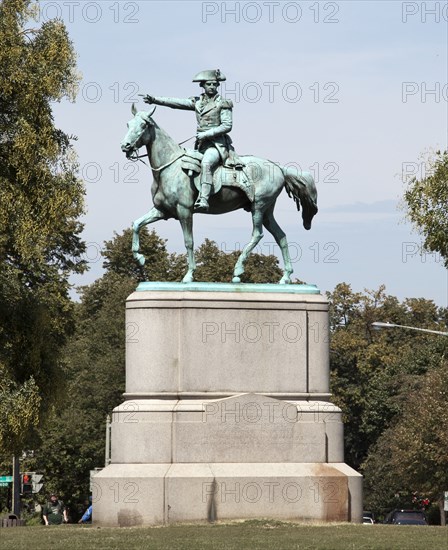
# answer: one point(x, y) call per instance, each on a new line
point(139, 131)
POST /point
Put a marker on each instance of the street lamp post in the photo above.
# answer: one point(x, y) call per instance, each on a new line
point(380, 325)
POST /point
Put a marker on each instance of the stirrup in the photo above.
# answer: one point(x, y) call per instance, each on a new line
point(201, 205)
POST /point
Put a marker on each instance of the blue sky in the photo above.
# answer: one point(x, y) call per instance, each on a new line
point(357, 91)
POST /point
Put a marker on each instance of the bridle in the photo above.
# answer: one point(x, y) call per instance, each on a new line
point(134, 156)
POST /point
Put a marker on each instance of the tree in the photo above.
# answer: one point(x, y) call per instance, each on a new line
point(378, 378)
point(412, 455)
point(427, 205)
point(373, 372)
point(215, 265)
point(159, 265)
point(41, 200)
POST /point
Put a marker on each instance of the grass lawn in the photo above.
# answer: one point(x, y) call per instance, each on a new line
point(253, 535)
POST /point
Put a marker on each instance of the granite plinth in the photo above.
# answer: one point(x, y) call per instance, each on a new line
point(227, 410)
point(205, 344)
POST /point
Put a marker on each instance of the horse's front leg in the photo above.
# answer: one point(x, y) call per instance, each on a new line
point(152, 216)
point(280, 238)
point(257, 234)
point(186, 221)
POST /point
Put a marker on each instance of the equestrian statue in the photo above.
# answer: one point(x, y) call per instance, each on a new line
point(212, 178)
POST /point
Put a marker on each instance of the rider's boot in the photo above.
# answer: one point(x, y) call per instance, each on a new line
point(201, 205)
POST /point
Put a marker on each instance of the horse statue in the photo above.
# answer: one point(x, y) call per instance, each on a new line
point(174, 192)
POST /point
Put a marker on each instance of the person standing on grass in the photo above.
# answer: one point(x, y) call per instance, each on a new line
point(54, 512)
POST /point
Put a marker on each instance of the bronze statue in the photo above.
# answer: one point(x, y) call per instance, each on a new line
point(214, 117)
point(246, 182)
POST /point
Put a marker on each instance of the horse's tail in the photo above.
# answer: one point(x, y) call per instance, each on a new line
point(302, 189)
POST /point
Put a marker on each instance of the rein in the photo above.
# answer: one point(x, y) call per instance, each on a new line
point(134, 157)
point(138, 157)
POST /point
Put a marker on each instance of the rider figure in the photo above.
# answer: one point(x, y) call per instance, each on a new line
point(214, 118)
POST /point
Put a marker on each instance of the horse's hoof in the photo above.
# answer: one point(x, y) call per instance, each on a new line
point(285, 281)
point(236, 280)
point(140, 259)
point(188, 278)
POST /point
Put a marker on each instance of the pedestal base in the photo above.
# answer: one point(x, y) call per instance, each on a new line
point(128, 495)
point(227, 412)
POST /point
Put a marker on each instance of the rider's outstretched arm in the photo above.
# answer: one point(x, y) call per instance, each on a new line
point(173, 102)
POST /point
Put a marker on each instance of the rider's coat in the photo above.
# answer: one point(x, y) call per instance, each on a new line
point(213, 115)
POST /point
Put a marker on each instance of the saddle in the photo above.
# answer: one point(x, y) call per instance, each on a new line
point(231, 174)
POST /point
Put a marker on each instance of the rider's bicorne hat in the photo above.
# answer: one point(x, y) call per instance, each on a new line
point(212, 74)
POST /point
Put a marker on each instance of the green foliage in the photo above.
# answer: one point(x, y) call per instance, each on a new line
point(72, 441)
point(40, 196)
point(427, 205)
point(159, 265)
point(412, 454)
point(19, 406)
point(372, 372)
point(214, 265)
point(41, 200)
point(385, 383)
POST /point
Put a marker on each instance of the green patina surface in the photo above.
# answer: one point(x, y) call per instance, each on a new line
point(177, 179)
point(228, 287)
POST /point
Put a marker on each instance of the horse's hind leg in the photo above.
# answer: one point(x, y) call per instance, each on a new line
point(280, 238)
point(257, 234)
point(152, 216)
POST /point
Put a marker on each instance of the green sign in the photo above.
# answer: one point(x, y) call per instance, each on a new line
point(5, 479)
point(4, 484)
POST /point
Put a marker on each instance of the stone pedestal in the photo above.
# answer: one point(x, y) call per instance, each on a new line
point(227, 410)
